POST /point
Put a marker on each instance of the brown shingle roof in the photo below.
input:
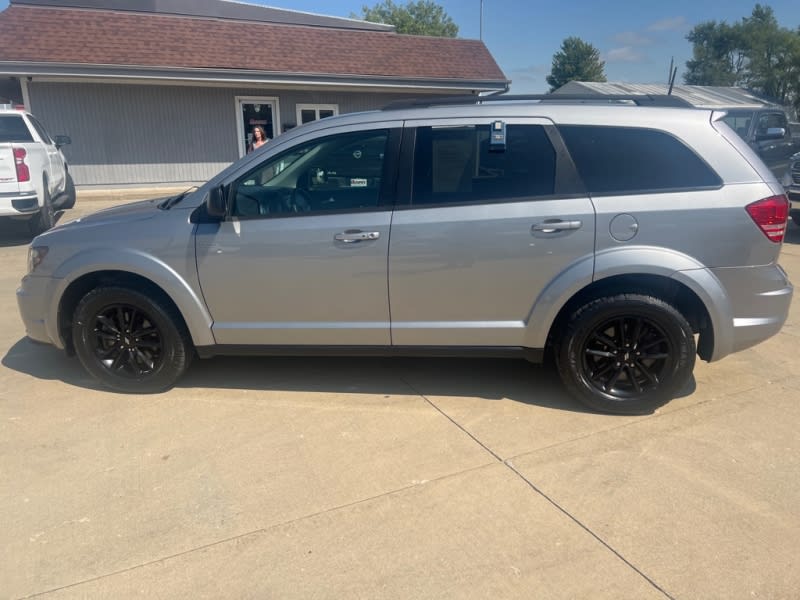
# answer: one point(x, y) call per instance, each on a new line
point(80, 36)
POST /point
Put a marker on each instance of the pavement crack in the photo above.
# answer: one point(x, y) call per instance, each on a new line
point(510, 465)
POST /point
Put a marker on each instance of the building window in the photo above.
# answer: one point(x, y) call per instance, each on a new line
point(312, 112)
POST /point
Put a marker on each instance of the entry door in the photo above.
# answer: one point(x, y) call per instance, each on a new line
point(255, 112)
point(487, 229)
point(301, 260)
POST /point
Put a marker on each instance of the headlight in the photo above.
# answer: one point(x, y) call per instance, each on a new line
point(36, 255)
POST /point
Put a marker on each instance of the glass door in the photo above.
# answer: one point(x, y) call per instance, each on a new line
point(255, 112)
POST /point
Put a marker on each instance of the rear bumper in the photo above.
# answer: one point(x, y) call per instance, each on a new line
point(19, 204)
point(760, 298)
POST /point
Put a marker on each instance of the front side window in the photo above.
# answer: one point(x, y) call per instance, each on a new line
point(456, 165)
point(336, 173)
point(630, 160)
point(770, 121)
point(739, 121)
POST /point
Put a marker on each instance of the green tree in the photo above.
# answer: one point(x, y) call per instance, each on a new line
point(415, 18)
point(755, 52)
point(718, 51)
point(576, 61)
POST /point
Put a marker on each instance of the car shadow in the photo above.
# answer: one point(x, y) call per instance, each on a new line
point(489, 379)
point(14, 232)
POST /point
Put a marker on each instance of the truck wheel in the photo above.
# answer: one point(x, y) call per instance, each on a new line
point(626, 354)
point(130, 341)
point(46, 217)
point(69, 193)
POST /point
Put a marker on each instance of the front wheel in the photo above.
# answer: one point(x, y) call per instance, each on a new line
point(626, 354)
point(130, 341)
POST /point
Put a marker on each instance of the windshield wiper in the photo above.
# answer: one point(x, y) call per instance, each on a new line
point(173, 200)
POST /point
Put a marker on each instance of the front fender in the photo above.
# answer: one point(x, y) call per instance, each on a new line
point(188, 301)
point(631, 261)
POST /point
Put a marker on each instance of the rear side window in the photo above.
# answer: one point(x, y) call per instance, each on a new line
point(14, 129)
point(626, 160)
point(453, 165)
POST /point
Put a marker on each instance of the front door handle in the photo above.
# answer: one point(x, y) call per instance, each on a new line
point(352, 236)
point(554, 225)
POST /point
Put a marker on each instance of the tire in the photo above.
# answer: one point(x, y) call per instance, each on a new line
point(130, 341)
point(46, 217)
point(69, 193)
point(626, 354)
point(795, 217)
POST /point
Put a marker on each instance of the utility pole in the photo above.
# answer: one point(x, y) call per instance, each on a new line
point(481, 20)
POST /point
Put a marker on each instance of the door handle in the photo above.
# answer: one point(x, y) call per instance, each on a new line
point(352, 236)
point(554, 225)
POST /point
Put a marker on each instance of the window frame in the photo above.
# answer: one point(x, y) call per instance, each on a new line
point(567, 184)
point(299, 108)
point(41, 131)
point(386, 192)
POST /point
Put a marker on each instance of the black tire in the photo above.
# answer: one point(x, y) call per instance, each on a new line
point(130, 341)
point(46, 217)
point(626, 354)
point(69, 193)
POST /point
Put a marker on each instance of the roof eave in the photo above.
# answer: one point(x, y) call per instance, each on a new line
point(239, 76)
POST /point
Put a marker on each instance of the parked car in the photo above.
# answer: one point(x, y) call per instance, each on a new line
point(791, 181)
point(34, 175)
point(610, 235)
point(768, 132)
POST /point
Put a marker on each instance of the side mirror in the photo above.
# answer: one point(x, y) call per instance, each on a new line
point(62, 140)
point(772, 133)
point(216, 204)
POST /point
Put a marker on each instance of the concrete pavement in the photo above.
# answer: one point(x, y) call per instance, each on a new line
point(406, 478)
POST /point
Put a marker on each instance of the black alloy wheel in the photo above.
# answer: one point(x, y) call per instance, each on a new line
point(131, 341)
point(626, 357)
point(626, 354)
point(126, 342)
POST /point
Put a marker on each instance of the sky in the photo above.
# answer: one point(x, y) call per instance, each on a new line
point(635, 39)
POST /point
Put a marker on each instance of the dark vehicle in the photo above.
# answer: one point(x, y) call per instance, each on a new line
point(768, 132)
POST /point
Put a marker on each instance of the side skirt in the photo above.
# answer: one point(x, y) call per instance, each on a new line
point(533, 355)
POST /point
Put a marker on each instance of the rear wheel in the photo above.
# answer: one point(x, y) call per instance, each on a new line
point(46, 217)
point(69, 193)
point(130, 341)
point(626, 354)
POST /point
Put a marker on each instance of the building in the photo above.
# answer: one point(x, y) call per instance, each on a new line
point(699, 96)
point(169, 91)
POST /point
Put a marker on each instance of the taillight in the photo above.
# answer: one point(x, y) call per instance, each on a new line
point(23, 172)
point(771, 215)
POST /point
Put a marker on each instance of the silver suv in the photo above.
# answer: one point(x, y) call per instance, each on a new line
point(625, 237)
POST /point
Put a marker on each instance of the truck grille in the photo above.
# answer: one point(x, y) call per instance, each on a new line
point(796, 172)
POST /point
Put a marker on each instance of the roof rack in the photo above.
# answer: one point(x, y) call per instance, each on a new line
point(659, 100)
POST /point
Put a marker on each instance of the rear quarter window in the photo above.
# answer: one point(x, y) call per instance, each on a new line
point(14, 129)
point(629, 160)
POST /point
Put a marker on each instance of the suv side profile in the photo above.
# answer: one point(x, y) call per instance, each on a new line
point(625, 238)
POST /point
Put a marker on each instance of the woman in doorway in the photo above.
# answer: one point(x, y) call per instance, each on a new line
point(259, 138)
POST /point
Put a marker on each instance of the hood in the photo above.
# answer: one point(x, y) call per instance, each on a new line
point(135, 211)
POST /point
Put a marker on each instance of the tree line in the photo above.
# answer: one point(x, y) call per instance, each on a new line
point(755, 52)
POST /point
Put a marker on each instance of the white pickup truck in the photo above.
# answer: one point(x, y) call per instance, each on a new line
point(34, 176)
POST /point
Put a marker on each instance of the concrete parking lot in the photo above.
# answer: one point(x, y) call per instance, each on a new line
point(367, 478)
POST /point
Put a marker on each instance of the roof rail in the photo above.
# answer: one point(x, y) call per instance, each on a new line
point(660, 100)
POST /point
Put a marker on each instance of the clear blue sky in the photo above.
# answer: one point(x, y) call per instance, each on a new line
point(636, 39)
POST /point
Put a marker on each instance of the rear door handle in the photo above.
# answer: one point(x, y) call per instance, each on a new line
point(352, 236)
point(554, 225)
